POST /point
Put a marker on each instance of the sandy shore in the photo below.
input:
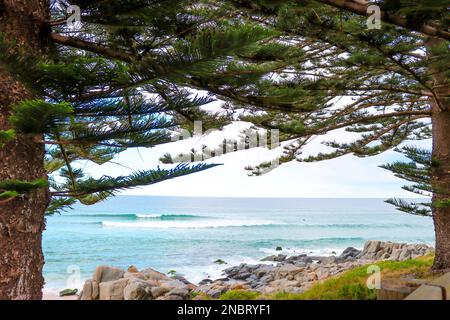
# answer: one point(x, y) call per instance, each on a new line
point(53, 294)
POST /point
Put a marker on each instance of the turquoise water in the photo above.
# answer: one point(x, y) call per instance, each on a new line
point(189, 234)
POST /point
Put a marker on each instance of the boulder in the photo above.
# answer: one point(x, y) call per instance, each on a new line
point(275, 258)
point(86, 293)
point(151, 274)
point(350, 252)
point(113, 290)
point(95, 290)
point(287, 270)
point(181, 292)
point(158, 291)
point(107, 273)
point(137, 290)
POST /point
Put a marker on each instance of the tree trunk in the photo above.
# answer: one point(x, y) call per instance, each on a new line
point(21, 219)
point(440, 177)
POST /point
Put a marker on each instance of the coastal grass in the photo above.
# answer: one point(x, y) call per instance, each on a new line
point(350, 285)
point(240, 295)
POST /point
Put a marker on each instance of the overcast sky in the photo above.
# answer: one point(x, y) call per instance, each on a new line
point(347, 176)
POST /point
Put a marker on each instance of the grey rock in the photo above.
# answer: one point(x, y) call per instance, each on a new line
point(184, 293)
point(204, 281)
point(173, 297)
point(350, 252)
point(137, 290)
point(158, 291)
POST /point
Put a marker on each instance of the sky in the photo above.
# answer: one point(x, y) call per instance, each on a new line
point(344, 177)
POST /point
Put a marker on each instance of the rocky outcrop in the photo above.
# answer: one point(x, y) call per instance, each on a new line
point(296, 274)
point(293, 274)
point(109, 283)
point(379, 250)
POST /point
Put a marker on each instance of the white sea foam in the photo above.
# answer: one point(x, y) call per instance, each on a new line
point(214, 271)
point(148, 216)
point(298, 251)
point(213, 223)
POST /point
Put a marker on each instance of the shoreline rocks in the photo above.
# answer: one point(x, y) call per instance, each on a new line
point(293, 274)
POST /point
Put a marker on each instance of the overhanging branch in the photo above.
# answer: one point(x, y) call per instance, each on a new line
point(360, 7)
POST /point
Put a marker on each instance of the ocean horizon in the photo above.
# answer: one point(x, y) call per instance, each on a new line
point(187, 234)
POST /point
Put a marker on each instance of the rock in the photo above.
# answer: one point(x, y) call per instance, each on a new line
point(372, 246)
point(278, 249)
point(220, 261)
point(86, 293)
point(151, 274)
point(173, 283)
point(266, 278)
point(216, 293)
point(275, 258)
point(138, 275)
point(405, 254)
point(350, 252)
point(181, 292)
point(242, 276)
point(107, 273)
point(95, 290)
point(132, 269)
point(137, 290)
point(170, 298)
point(395, 254)
point(204, 281)
point(113, 290)
point(287, 270)
point(158, 291)
point(182, 279)
point(312, 276)
point(68, 292)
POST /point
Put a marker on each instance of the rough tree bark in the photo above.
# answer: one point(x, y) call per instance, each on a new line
point(21, 219)
point(440, 177)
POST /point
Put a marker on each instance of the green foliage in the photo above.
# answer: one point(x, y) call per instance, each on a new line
point(6, 136)
point(280, 65)
point(8, 195)
point(59, 205)
point(10, 189)
point(22, 186)
point(220, 261)
point(239, 295)
point(418, 171)
point(351, 285)
point(38, 116)
point(90, 191)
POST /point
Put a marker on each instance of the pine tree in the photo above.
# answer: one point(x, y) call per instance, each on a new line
point(384, 86)
point(68, 95)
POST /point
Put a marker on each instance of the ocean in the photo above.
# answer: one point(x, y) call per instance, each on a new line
point(188, 234)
